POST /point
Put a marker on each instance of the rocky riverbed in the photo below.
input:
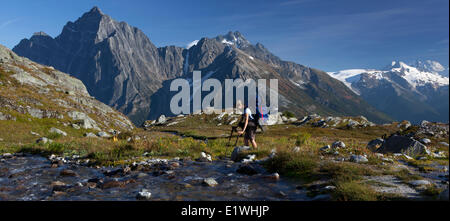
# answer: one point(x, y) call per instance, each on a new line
point(33, 177)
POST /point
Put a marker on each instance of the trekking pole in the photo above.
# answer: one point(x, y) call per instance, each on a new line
point(229, 139)
point(237, 138)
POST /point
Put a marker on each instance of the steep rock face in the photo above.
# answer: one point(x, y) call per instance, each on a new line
point(121, 67)
point(302, 90)
point(43, 92)
point(117, 62)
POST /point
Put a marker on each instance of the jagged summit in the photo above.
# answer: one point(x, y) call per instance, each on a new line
point(121, 67)
point(95, 10)
point(41, 33)
point(233, 38)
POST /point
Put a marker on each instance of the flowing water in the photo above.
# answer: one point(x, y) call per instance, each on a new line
point(31, 177)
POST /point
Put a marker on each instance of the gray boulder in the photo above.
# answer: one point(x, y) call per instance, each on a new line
point(43, 140)
point(338, 144)
point(90, 135)
point(210, 182)
point(425, 141)
point(144, 194)
point(84, 120)
point(402, 144)
point(373, 145)
point(161, 119)
point(358, 159)
point(103, 134)
point(247, 169)
point(57, 131)
point(324, 148)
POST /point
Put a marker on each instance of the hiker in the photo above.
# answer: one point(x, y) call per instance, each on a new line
point(249, 127)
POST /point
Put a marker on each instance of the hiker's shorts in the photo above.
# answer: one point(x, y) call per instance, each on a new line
point(250, 133)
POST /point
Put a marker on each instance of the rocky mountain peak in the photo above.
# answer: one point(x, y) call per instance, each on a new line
point(41, 33)
point(432, 67)
point(233, 38)
point(95, 10)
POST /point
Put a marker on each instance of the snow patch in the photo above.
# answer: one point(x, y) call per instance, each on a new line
point(191, 44)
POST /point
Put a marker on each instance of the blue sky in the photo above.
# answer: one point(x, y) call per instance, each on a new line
point(327, 34)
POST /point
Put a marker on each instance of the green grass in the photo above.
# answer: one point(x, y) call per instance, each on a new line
point(354, 191)
point(299, 165)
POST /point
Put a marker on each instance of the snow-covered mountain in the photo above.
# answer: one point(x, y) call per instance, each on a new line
point(432, 66)
point(412, 92)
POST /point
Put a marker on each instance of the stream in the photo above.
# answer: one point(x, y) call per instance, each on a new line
point(32, 177)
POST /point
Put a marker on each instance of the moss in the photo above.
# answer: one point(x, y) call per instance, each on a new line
point(431, 191)
point(293, 164)
point(345, 171)
point(354, 191)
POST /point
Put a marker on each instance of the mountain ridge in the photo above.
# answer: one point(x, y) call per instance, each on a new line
point(123, 68)
point(399, 87)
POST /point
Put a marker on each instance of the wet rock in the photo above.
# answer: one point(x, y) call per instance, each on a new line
point(236, 154)
point(373, 145)
point(144, 194)
point(95, 180)
point(59, 186)
point(358, 159)
point(68, 173)
point(210, 182)
point(249, 158)
point(419, 182)
point(247, 169)
point(114, 172)
point(57, 131)
point(329, 188)
point(126, 170)
point(444, 195)
point(142, 175)
point(273, 176)
point(338, 144)
point(175, 164)
point(204, 157)
point(111, 184)
point(402, 144)
point(7, 155)
point(322, 197)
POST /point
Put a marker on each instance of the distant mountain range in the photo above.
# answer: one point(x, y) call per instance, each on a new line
point(414, 92)
point(121, 67)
